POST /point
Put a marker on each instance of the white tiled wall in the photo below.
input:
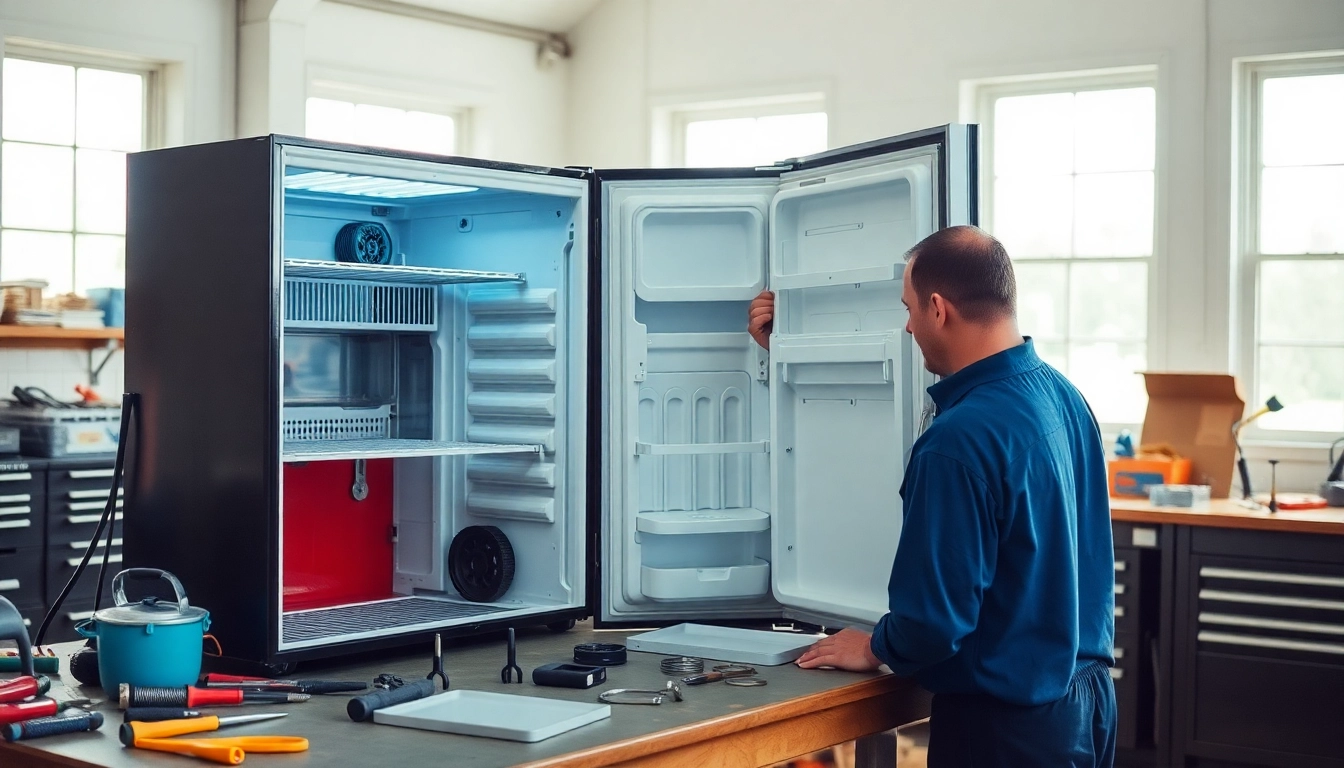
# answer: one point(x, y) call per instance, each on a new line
point(58, 371)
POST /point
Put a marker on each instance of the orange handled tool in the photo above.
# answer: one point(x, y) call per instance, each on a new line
point(229, 751)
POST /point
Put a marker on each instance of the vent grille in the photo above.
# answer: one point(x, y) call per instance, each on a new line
point(309, 423)
point(385, 615)
point(330, 304)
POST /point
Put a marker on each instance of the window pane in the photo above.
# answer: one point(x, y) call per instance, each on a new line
point(428, 132)
point(37, 256)
point(1107, 375)
point(781, 137)
point(1310, 383)
point(39, 102)
point(1113, 214)
point(378, 126)
point(722, 143)
point(1054, 353)
point(100, 262)
point(1041, 308)
point(100, 191)
point(1109, 301)
point(1116, 130)
point(1302, 209)
point(329, 120)
point(110, 110)
point(1033, 134)
point(1033, 215)
point(1300, 301)
point(1303, 120)
point(36, 186)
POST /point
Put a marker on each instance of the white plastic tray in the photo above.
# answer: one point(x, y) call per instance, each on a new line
point(742, 646)
point(495, 715)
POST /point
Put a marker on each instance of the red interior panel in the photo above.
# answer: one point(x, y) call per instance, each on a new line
point(337, 550)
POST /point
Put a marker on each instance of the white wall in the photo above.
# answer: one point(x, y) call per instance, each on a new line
point(194, 39)
point(890, 66)
point(517, 111)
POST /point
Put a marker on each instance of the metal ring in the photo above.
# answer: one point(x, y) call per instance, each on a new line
point(746, 682)
point(735, 670)
point(638, 696)
point(680, 665)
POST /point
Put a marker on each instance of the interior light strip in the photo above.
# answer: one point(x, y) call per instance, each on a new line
point(369, 186)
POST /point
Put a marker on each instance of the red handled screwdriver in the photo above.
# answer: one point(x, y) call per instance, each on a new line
point(25, 687)
point(192, 697)
point(27, 710)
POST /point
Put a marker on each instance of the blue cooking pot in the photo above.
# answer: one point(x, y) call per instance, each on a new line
point(152, 642)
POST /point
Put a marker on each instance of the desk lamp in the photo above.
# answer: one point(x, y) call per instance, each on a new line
point(1271, 405)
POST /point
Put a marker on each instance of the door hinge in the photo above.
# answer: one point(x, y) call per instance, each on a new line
point(762, 365)
point(392, 534)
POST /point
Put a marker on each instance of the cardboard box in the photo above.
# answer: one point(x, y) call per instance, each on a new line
point(1194, 413)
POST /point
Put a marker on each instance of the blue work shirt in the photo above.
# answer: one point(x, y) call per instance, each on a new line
point(1003, 579)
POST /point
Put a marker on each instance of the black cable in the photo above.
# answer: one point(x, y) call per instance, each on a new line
point(128, 403)
point(1336, 467)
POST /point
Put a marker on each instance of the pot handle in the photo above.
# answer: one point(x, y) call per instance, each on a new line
point(119, 589)
point(85, 629)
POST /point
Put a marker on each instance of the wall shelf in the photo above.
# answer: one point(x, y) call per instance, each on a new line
point(49, 337)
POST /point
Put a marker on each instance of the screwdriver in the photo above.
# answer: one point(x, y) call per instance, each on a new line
point(52, 726)
point(21, 688)
point(27, 710)
point(189, 696)
point(134, 730)
point(215, 680)
point(157, 714)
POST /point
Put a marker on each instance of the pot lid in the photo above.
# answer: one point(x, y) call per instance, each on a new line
point(150, 610)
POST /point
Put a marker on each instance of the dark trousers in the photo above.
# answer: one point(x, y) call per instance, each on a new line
point(1078, 731)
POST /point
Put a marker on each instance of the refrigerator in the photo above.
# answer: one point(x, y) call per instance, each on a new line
point(386, 394)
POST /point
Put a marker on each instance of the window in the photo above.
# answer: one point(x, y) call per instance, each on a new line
point(64, 136)
point(741, 132)
point(380, 126)
point(1070, 176)
point(1292, 237)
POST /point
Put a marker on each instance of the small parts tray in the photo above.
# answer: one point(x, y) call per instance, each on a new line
point(494, 715)
point(743, 646)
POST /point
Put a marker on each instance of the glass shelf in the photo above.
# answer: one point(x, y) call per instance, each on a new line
point(393, 274)
point(391, 448)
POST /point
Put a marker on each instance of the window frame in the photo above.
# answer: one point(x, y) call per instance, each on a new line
point(153, 127)
point(983, 94)
point(412, 99)
point(1251, 75)
point(671, 119)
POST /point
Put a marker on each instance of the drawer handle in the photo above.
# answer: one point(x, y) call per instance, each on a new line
point(86, 519)
point(74, 562)
point(99, 494)
point(12, 524)
point(9, 585)
point(1233, 620)
point(85, 544)
point(1259, 599)
point(1121, 565)
point(1272, 577)
point(89, 474)
point(17, 498)
point(1117, 673)
point(1228, 638)
point(14, 477)
point(1119, 611)
point(81, 506)
point(1118, 653)
point(80, 616)
point(15, 510)
point(27, 622)
point(1119, 589)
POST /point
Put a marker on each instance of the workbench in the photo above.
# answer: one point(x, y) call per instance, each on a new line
point(717, 726)
point(1230, 635)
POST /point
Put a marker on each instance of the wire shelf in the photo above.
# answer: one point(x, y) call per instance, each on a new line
point(324, 623)
point(392, 448)
point(387, 273)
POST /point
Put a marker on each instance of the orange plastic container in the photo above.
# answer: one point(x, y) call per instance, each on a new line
point(1131, 477)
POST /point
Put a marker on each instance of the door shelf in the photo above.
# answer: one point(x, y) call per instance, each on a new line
point(742, 520)
point(857, 276)
point(692, 583)
point(393, 274)
point(392, 448)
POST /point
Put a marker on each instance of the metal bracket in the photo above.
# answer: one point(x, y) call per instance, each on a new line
point(96, 371)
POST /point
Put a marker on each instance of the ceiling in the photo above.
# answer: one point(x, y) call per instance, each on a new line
point(548, 15)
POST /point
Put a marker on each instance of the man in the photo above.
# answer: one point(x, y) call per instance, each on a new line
point(1000, 599)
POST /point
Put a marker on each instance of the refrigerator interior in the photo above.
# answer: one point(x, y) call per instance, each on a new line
point(740, 479)
point(441, 391)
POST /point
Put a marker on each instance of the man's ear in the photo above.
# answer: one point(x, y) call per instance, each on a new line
point(941, 308)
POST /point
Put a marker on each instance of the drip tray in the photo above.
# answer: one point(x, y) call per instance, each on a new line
point(343, 620)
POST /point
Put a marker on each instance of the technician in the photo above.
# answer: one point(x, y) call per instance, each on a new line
point(1001, 593)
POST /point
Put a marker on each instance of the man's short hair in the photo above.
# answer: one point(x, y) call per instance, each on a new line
point(968, 268)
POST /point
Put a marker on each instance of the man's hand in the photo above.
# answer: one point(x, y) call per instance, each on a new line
point(847, 649)
point(761, 318)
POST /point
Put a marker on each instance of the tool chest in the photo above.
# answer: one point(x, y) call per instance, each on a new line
point(384, 395)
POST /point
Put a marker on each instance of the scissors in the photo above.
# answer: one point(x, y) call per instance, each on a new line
point(228, 751)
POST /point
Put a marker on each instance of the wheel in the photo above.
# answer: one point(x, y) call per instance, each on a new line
point(561, 626)
point(480, 563)
point(364, 242)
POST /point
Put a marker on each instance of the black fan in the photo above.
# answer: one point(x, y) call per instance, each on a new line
point(480, 563)
point(364, 242)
